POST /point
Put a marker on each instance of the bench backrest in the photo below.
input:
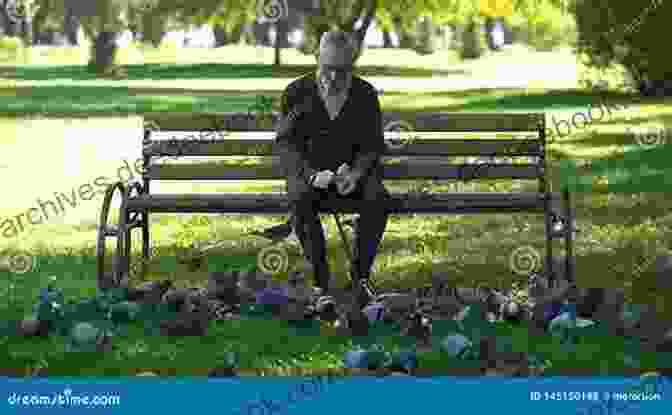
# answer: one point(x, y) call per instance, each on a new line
point(425, 152)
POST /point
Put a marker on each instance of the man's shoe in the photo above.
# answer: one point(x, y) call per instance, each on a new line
point(368, 287)
point(363, 293)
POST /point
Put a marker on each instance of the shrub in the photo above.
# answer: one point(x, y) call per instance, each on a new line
point(625, 33)
point(544, 27)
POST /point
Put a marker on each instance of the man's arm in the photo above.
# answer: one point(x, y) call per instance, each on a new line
point(372, 145)
point(290, 148)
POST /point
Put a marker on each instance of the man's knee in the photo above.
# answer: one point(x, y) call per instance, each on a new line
point(301, 196)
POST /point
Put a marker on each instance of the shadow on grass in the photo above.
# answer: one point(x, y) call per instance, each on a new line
point(505, 100)
point(137, 352)
point(73, 100)
point(208, 71)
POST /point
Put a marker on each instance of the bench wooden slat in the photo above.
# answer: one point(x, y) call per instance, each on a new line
point(468, 122)
point(419, 147)
point(276, 203)
point(426, 121)
point(402, 170)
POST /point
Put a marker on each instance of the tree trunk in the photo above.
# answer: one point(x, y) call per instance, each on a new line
point(71, 26)
point(276, 47)
point(152, 29)
point(489, 26)
point(26, 31)
point(221, 37)
point(473, 42)
point(387, 39)
point(237, 33)
point(104, 50)
point(39, 35)
point(405, 40)
point(9, 26)
point(281, 41)
point(360, 33)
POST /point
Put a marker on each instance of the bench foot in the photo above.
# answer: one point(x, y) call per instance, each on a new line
point(120, 231)
point(106, 279)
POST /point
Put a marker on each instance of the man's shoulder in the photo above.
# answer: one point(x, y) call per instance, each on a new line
point(300, 83)
point(363, 84)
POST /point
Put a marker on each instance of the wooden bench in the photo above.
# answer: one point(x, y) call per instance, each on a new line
point(426, 157)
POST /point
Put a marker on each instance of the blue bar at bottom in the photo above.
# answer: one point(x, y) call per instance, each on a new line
point(338, 395)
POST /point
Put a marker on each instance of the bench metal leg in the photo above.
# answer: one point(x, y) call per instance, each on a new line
point(549, 241)
point(106, 230)
point(126, 225)
point(145, 232)
point(569, 237)
point(145, 241)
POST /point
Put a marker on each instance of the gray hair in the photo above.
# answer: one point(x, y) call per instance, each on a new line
point(340, 40)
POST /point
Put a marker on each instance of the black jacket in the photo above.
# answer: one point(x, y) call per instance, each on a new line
point(309, 141)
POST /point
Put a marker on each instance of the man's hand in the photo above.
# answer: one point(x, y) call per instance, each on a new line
point(323, 179)
point(347, 180)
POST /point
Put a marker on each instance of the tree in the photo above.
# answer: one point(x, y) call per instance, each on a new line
point(353, 16)
point(626, 34)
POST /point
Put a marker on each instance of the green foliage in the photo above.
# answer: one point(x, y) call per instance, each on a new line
point(543, 25)
point(625, 33)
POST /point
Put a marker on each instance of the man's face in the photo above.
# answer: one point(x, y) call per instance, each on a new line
point(334, 69)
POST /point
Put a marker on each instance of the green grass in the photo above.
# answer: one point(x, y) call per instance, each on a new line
point(75, 100)
point(212, 71)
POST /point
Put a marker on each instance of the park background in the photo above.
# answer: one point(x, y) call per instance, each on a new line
point(77, 76)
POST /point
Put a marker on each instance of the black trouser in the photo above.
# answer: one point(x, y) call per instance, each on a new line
point(371, 196)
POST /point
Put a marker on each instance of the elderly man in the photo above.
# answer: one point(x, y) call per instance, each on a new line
point(330, 140)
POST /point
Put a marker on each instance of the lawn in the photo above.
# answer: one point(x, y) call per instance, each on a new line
point(619, 229)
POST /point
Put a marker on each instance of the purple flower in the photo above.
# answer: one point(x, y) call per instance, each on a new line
point(552, 310)
point(44, 295)
point(374, 312)
point(272, 296)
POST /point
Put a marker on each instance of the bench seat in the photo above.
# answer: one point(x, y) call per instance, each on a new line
point(400, 203)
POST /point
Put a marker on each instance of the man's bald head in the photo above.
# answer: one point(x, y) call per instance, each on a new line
point(336, 40)
point(335, 60)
